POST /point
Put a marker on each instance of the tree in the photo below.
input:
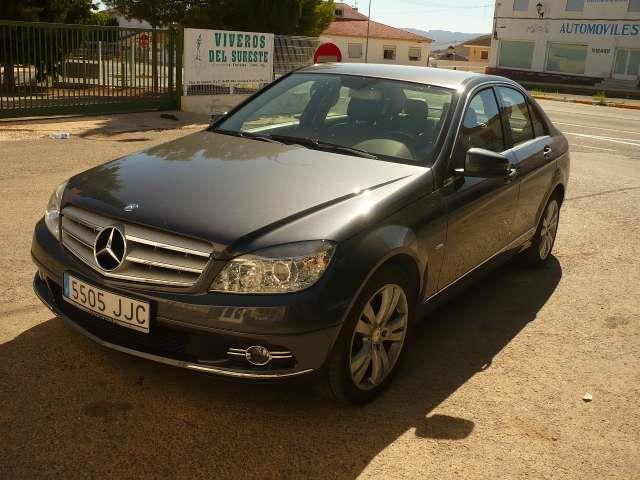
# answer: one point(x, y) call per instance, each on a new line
point(59, 11)
point(156, 12)
point(287, 17)
point(315, 17)
point(103, 19)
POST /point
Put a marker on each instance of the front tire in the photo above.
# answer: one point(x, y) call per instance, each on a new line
point(544, 239)
point(370, 345)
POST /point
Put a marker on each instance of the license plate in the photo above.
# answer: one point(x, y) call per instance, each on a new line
point(124, 311)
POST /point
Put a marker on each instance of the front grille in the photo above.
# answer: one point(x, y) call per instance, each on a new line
point(152, 256)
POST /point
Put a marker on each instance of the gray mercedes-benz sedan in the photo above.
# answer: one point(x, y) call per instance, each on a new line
point(302, 232)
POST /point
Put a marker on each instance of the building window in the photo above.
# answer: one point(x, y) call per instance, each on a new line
point(415, 54)
point(389, 53)
point(566, 58)
point(355, 50)
point(484, 55)
point(339, 12)
point(575, 5)
point(515, 54)
point(520, 5)
point(627, 62)
point(634, 5)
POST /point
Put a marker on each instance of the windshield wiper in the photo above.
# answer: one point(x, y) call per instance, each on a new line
point(318, 145)
point(245, 134)
point(305, 142)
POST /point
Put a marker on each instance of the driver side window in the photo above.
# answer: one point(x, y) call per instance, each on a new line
point(481, 127)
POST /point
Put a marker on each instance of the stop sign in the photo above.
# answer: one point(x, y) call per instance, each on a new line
point(143, 41)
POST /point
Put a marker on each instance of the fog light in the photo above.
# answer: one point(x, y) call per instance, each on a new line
point(258, 355)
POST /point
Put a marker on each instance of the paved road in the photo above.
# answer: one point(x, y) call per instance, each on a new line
point(596, 129)
point(492, 386)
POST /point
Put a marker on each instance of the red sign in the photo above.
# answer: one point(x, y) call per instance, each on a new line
point(327, 52)
point(143, 40)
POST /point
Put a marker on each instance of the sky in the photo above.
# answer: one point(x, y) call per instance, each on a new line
point(455, 15)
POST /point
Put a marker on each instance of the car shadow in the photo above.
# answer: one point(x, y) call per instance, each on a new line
point(74, 409)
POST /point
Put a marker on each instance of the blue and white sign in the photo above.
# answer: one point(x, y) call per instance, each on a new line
point(601, 29)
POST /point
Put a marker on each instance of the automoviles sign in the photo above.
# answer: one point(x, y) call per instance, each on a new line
point(220, 57)
point(601, 29)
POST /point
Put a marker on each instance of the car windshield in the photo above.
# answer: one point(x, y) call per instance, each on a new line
point(361, 116)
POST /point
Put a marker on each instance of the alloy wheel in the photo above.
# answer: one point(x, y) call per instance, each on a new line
point(378, 337)
point(548, 229)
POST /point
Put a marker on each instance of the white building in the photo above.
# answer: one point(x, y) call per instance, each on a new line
point(346, 40)
point(125, 22)
point(567, 41)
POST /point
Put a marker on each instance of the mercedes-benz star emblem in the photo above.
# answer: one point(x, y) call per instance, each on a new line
point(131, 207)
point(109, 248)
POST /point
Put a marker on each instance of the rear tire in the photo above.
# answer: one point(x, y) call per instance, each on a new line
point(369, 348)
point(542, 243)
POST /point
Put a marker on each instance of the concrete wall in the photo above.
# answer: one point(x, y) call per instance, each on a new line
point(465, 66)
point(603, 27)
point(376, 46)
point(556, 9)
point(209, 104)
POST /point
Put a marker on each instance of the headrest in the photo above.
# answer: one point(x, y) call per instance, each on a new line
point(364, 109)
point(416, 107)
point(394, 100)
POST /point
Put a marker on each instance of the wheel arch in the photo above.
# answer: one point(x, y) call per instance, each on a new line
point(403, 257)
point(557, 188)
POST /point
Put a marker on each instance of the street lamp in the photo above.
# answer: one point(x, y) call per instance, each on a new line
point(540, 9)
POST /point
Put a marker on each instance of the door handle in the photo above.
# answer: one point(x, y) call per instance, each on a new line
point(512, 173)
point(547, 152)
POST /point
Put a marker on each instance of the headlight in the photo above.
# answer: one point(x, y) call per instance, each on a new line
point(52, 212)
point(282, 269)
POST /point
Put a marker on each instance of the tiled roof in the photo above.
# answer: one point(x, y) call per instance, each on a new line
point(358, 28)
point(348, 12)
point(482, 41)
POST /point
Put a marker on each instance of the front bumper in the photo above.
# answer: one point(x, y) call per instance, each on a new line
point(190, 330)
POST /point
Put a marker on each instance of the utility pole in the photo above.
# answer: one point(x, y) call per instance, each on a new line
point(366, 48)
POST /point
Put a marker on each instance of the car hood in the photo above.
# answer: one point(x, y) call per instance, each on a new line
point(221, 188)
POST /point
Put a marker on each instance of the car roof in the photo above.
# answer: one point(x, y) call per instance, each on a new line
point(440, 77)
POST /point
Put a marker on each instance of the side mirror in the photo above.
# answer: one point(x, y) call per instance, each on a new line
point(216, 116)
point(485, 164)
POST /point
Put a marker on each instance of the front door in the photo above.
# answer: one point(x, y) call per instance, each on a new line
point(535, 152)
point(480, 210)
point(626, 64)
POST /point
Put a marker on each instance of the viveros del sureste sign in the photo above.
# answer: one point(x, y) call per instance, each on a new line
point(221, 57)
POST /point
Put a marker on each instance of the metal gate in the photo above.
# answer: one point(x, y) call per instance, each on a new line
point(48, 68)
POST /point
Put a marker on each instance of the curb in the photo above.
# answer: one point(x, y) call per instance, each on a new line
point(588, 102)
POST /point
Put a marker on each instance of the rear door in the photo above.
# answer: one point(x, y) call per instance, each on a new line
point(480, 210)
point(534, 152)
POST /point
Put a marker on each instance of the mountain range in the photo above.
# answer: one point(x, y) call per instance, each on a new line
point(443, 38)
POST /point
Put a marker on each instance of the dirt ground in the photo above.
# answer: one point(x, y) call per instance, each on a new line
point(492, 386)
